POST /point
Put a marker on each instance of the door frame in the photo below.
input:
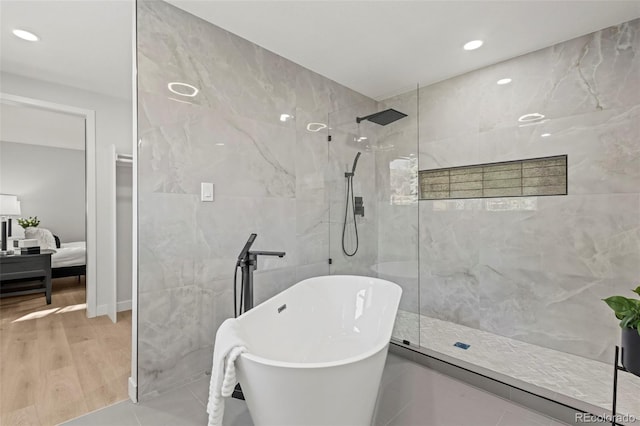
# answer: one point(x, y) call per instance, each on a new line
point(90, 183)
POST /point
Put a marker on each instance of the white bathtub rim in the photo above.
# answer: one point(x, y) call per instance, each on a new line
point(311, 365)
point(343, 361)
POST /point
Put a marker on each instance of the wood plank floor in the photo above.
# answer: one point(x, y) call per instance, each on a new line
point(55, 363)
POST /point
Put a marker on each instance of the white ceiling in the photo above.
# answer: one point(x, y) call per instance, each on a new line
point(24, 124)
point(85, 44)
point(378, 48)
point(383, 48)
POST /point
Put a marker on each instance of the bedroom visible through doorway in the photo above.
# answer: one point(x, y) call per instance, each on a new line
point(42, 159)
point(47, 163)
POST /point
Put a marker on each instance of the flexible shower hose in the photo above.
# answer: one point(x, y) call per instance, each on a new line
point(346, 213)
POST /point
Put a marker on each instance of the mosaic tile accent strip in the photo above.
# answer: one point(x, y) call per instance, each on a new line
point(537, 176)
point(565, 374)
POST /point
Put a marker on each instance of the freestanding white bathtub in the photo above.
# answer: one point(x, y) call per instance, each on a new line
point(317, 350)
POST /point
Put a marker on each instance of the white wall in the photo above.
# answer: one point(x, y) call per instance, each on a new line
point(49, 183)
point(124, 197)
point(38, 126)
point(113, 126)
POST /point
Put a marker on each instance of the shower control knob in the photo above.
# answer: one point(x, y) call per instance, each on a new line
point(359, 206)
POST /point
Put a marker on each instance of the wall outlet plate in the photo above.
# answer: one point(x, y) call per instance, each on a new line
point(206, 191)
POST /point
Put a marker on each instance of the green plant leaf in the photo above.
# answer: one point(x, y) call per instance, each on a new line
point(637, 290)
point(630, 320)
point(620, 305)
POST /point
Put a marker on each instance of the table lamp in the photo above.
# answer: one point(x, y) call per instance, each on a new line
point(9, 206)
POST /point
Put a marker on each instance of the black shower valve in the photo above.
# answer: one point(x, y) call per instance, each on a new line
point(359, 206)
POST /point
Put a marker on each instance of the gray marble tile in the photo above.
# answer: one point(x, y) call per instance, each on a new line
point(231, 73)
point(456, 150)
point(448, 110)
point(200, 389)
point(269, 283)
point(214, 147)
point(236, 413)
point(308, 271)
point(178, 406)
point(171, 356)
point(121, 414)
point(392, 399)
point(398, 231)
point(592, 73)
point(603, 153)
point(224, 226)
point(521, 417)
point(216, 306)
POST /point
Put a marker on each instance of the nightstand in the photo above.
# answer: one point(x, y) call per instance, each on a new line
point(26, 274)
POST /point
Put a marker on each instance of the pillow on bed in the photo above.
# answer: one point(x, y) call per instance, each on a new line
point(57, 240)
point(44, 237)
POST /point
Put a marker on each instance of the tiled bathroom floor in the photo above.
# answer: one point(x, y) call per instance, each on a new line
point(410, 395)
point(571, 379)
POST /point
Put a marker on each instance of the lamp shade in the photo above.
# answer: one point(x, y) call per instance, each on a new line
point(9, 205)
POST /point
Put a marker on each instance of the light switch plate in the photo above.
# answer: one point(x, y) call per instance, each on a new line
point(206, 191)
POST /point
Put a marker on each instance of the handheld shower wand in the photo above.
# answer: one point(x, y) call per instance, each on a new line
point(355, 162)
point(353, 168)
point(350, 196)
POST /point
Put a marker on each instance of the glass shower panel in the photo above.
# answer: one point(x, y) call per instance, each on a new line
point(380, 239)
point(312, 217)
point(352, 237)
point(513, 283)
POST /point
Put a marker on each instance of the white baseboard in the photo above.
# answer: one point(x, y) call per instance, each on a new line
point(133, 390)
point(125, 305)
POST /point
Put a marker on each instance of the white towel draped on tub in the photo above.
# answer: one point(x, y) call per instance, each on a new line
point(228, 347)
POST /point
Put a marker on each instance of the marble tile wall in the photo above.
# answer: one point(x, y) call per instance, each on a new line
point(271, 177)
point(535, 268)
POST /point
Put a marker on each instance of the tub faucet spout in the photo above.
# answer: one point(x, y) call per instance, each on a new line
point(268, 253)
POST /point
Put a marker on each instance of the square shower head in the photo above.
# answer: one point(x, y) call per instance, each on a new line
point(383, 117)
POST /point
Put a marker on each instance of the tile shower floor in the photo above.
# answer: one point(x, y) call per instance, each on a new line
point(576, 381)
point(410, 395)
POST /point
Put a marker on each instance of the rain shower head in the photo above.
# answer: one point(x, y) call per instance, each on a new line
point(383, 118)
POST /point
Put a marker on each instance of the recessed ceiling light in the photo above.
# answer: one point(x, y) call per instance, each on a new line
point(316, 127)
point(504, 81)
point(545, 135)
point(25, 35)
point(473, 44)
point(220, 144)
point(285, 117)
point(183, 89)
point(534, 116)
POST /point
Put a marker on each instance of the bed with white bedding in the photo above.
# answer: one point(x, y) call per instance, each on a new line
point(69, 260)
